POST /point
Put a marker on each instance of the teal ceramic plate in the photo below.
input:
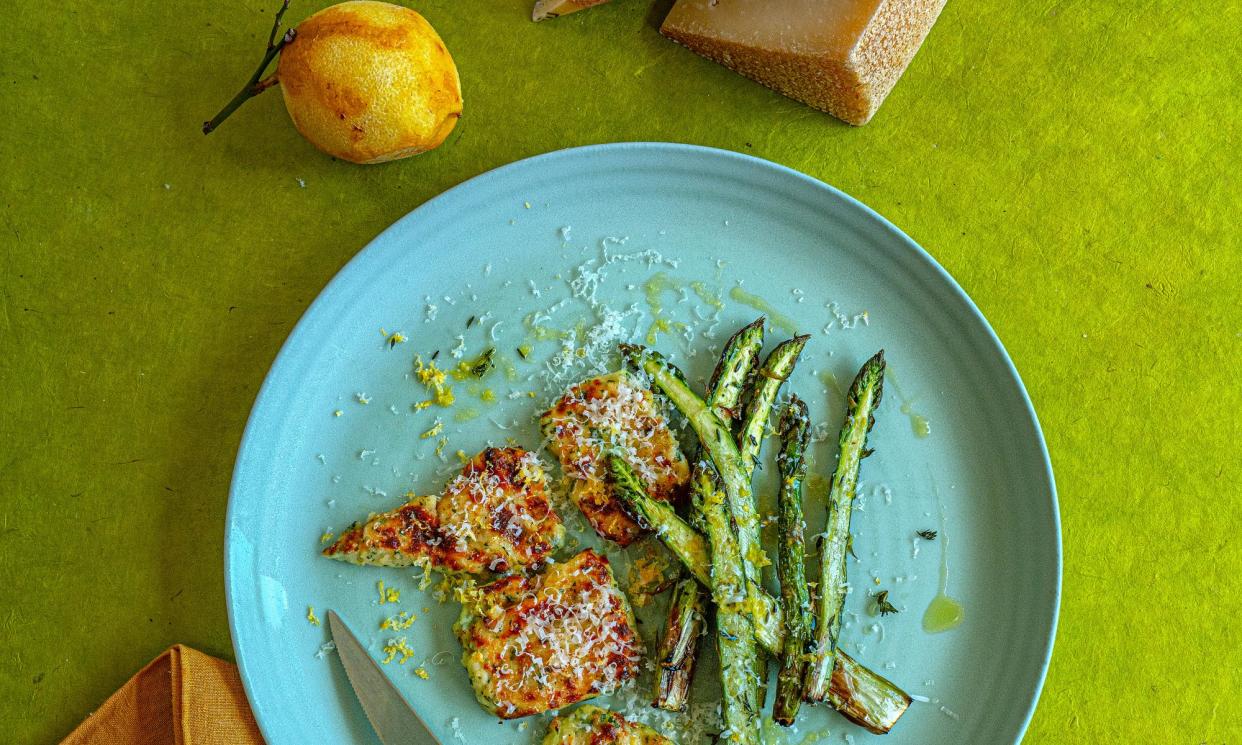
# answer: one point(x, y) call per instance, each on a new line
point(680, 244)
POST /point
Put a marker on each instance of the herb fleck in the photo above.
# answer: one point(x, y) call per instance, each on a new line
point(882, 604)
point(927, 535)
point(482, 365)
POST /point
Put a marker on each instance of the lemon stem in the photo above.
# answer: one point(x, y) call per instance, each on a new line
point(257, 83)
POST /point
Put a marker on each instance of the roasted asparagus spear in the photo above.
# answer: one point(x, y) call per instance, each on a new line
point(735, 631)
point(679, 648)
point(795, 597)
point(863, 696)
point(728, 536)
point(860, 694)
point(724, 395)
point(861, 402)
point(775, 371)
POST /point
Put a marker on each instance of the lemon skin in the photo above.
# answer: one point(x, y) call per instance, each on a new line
point(370, 82)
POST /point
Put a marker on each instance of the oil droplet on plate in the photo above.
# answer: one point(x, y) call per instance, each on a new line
point(942, 614)
point(919, 424)
point(775, 317)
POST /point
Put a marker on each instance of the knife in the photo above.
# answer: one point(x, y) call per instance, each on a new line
point(394, 720)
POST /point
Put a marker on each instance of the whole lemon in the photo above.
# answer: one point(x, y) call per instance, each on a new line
point(369, 82)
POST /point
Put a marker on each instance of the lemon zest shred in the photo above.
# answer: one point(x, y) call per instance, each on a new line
point(434, 379)
point(399, 622)
point(387, 594)
point(397, 647)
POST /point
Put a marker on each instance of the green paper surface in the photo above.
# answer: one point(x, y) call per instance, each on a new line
point(1073, 165)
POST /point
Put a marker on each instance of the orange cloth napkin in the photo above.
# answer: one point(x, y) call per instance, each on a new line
point(183, 697)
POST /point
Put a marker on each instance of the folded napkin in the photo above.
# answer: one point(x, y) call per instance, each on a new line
point(183, 697)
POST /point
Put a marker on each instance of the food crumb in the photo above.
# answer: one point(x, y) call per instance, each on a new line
point(399, 622)
point(310, 615)
point(397, 649)
point(362, 398)
point(301, 182)
point(327, 536)
point(338, 412)
point(387, 594)
point(436, 429)
point(421, 672)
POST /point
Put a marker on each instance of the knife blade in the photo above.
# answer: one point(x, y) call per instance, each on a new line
point(393, 719)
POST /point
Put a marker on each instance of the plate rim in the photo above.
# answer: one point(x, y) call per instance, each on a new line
point(587, 153)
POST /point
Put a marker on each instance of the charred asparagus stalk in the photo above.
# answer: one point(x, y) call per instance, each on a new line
point(724, 394)
point(795, 596)
point(735, 631)
point(717, 440)
point(775, 371)
point(863, 398)
point(772, 375)
point(861, 695)
point(679, 648)
point(732, 532)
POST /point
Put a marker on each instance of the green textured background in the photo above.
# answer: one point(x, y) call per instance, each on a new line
point(1073, 165)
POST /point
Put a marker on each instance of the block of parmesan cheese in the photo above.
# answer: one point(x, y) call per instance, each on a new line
point(839, 56)
point(545, 9)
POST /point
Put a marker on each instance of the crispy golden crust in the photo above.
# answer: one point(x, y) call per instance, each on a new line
point(613, 411)
point(406, 536)
point(494, 517)
point(534, 644)
point(591, 725)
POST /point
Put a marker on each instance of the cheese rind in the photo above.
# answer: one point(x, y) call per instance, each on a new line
point(839, 56)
